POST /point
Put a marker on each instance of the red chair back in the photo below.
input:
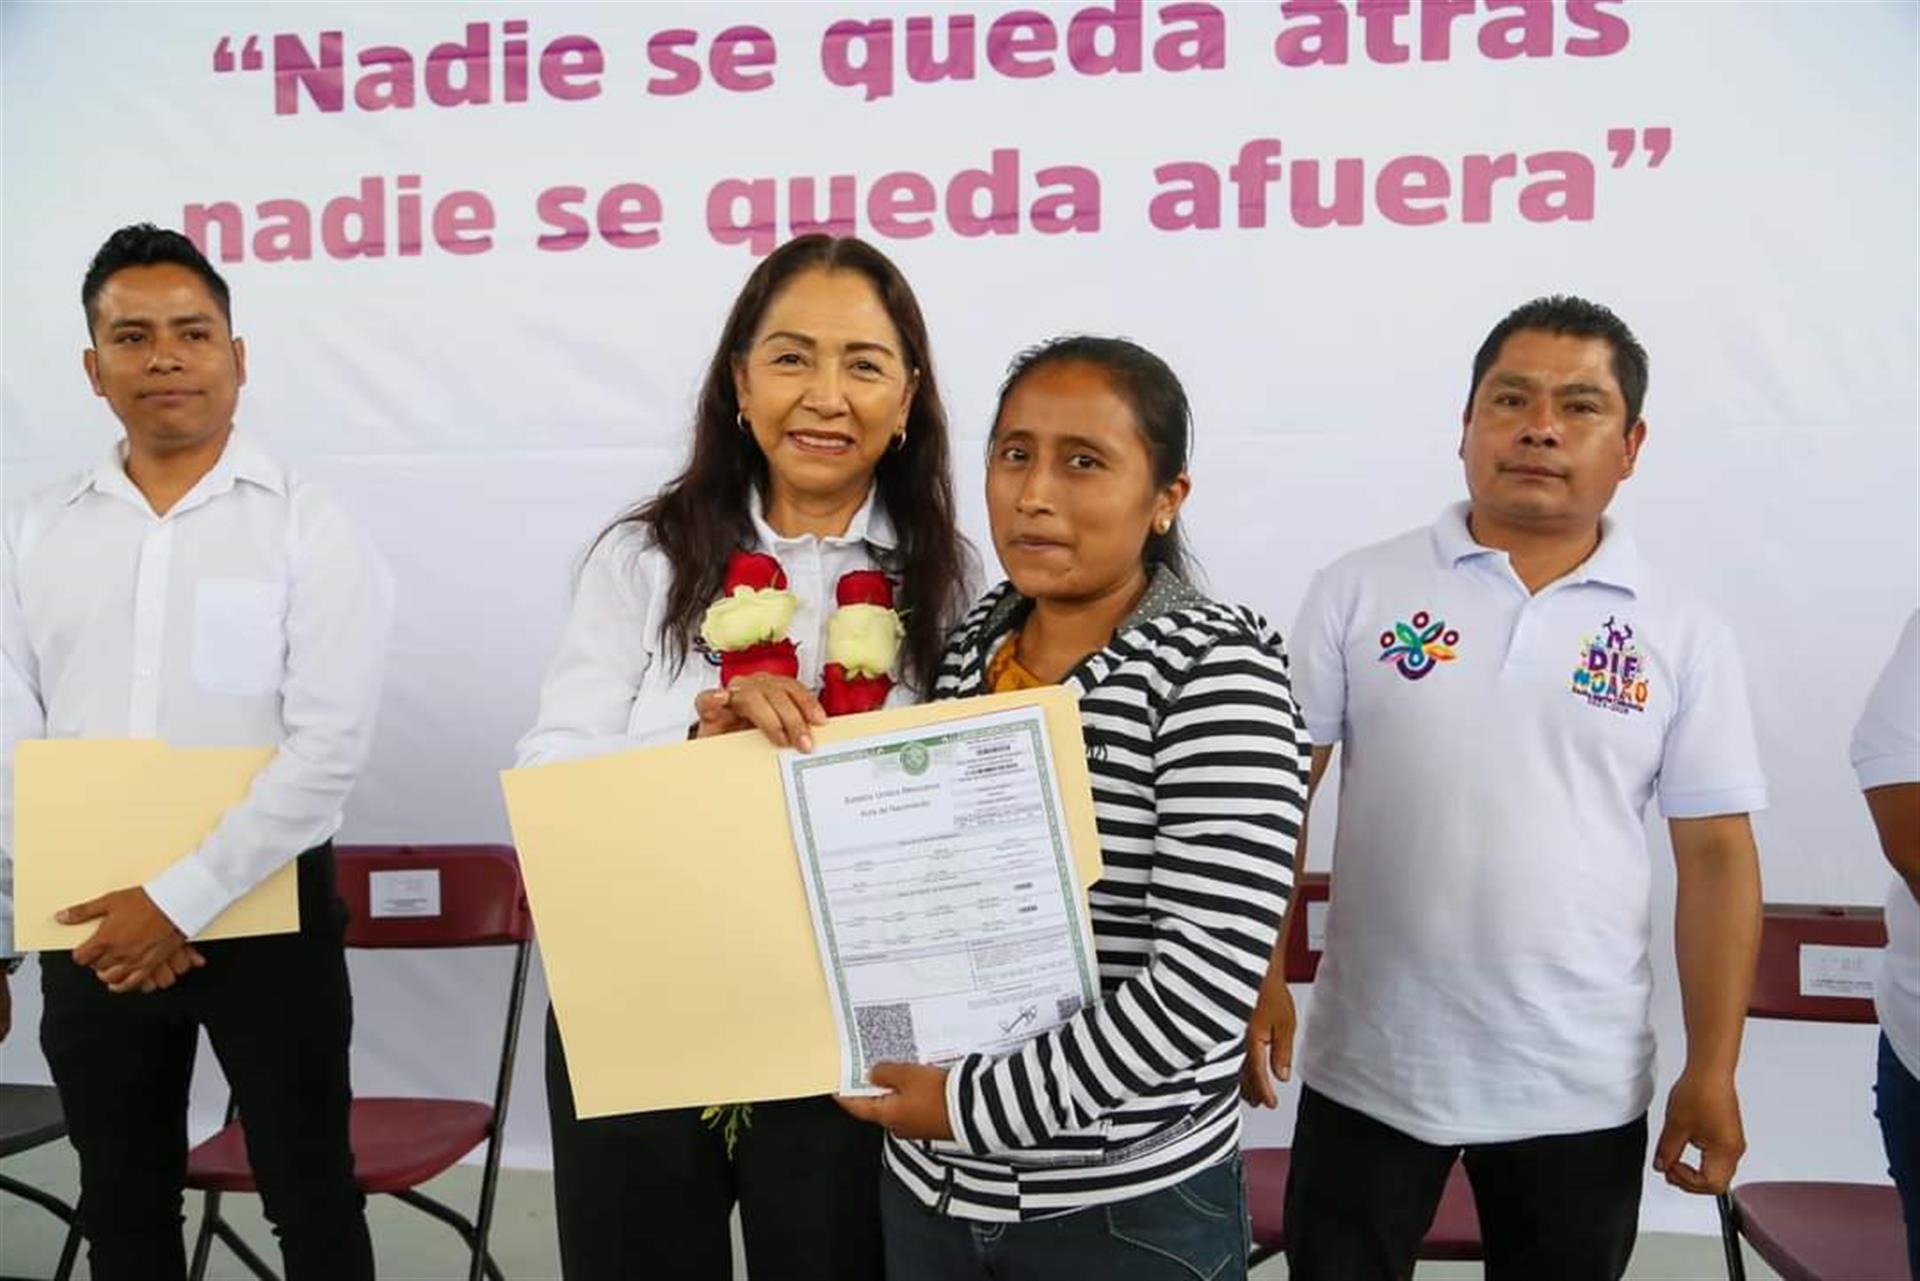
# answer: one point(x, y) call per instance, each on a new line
point(438, 895)
point(1788, 928)
point(1303, 959)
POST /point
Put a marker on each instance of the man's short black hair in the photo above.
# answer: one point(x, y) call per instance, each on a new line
point(1566, 314)
point(142, 245)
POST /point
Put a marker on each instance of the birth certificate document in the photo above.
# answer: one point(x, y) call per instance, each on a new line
point(943, 888)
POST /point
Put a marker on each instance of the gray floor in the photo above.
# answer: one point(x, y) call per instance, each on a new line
point(412, 1247)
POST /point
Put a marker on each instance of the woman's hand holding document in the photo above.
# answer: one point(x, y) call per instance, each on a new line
point(918, 894)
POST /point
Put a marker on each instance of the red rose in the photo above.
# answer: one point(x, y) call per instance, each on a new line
point(843, 695)
point(864, 587)
point(755, 570)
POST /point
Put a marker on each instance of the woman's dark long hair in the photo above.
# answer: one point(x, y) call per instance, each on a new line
point(704, 513)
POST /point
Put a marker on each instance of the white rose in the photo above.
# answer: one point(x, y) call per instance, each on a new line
point(748, 618)
point(864, 639)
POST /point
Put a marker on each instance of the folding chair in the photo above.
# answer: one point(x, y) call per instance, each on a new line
point(1814, 1231)
point(1455, 1231)
point(401, 1143)
point(29, 1116)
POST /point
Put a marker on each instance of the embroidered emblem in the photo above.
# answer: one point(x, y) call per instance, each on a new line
point(1612, 672)
point(1418, 647)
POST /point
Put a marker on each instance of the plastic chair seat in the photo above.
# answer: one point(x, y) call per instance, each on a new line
point(1454, 1235)
point(29, 1116)
point(1825, 1231)
point(397, 1144)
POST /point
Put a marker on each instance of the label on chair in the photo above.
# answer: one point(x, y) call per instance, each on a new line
point(1317, 927)
point(1826, 970)
point(404, 893)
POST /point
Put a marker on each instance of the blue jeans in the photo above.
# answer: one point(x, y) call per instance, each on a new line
point(1897, 1104)
point(1196, 1229)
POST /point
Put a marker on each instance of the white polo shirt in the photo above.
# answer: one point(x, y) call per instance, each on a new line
point(1886, 751)
point(1486, 975)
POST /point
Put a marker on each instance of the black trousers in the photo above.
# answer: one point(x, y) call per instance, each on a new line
point(279, 1015)
point(649, 1195)
point(1362, 1194)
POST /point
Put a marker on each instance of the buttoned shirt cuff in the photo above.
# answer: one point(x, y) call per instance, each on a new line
point(190, 895)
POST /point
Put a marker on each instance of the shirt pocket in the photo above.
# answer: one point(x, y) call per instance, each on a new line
point(239, 635)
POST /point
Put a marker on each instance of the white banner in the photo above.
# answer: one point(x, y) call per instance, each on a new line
point(481, 253)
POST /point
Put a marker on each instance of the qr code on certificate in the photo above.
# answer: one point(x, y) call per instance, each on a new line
point(886, 1033)
point(1066, 1007)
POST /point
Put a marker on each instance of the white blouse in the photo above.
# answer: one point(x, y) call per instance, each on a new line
point(614, 685)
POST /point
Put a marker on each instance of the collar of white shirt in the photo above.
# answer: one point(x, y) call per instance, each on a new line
point(239, 460)
point(1614, 563)
point(870, 525)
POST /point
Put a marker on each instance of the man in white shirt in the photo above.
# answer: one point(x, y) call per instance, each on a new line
point(1512, 685)
point(190, 589)
point(1886, 760)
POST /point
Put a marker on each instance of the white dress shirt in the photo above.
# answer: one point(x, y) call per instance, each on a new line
point(614, 686)
point(254, 613)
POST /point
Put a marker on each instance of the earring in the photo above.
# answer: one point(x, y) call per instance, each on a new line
point(740, 421)
point(1161, 527)
point(899, 441)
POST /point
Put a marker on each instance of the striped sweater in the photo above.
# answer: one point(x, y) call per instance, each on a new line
point(1199, 763)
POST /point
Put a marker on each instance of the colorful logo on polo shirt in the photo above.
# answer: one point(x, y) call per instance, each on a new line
point(1612, 672)
point(1418, 647)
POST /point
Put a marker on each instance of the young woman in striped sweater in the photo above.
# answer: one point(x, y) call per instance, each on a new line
point(1108, 1146)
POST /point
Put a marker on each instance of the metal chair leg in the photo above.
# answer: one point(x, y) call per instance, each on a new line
point(203, 1239)
point(455, 1220)
point(70, 1248)
point(482, 1261)
point(212, 1226)
point(244, 1252)
point(489, 1186)
point(69, 1251)
point(1730, 1236)
point(45, 1200)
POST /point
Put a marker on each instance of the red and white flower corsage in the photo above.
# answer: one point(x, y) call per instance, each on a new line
point(747, 628)
point(863, 640)
point(748, 625)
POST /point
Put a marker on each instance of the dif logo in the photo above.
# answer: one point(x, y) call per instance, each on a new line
point(1613, 673)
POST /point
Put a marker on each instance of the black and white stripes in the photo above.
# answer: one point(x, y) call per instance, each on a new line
point(1199, 762)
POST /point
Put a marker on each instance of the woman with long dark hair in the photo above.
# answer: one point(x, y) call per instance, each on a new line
point(806, 560)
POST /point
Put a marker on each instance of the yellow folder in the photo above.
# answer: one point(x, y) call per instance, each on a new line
point(673, 923)
point(93, 815)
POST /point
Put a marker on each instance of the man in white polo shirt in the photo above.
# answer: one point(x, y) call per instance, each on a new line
point(1511, 686)
point(1886, 760)
point(190, 589)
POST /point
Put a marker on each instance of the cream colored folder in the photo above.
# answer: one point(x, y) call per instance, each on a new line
point(673, 924)
point(93, 815)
